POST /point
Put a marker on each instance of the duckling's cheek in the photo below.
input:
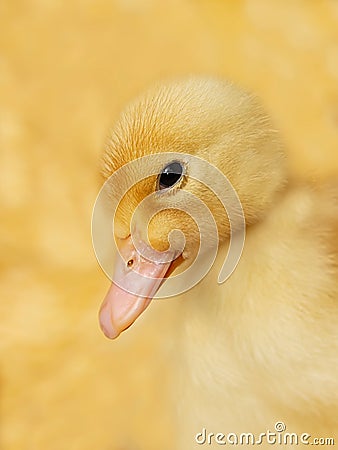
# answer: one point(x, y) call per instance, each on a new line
point(163, 223)
point(158, 232)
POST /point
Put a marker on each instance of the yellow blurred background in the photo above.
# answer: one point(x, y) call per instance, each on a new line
point(66, 69)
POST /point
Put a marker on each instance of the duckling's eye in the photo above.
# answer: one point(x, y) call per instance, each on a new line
point(170, 175)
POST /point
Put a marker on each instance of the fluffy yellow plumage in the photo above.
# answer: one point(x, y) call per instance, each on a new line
point(263, 346)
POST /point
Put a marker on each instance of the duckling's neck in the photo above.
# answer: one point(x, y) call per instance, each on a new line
point(234, 304)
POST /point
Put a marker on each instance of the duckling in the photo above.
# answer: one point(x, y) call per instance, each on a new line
point(259, 349)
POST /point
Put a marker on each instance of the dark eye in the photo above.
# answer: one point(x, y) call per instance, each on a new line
point(170, 175)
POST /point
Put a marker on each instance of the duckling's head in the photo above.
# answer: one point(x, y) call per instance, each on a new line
point(185, 136)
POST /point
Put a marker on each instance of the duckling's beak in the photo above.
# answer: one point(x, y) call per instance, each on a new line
point(136, 281)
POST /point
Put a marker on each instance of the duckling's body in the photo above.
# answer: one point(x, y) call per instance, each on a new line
point(262, 347)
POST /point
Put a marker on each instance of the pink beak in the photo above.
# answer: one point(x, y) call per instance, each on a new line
point(136, 281)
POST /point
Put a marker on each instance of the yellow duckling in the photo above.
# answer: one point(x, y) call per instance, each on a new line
point(262, 347)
